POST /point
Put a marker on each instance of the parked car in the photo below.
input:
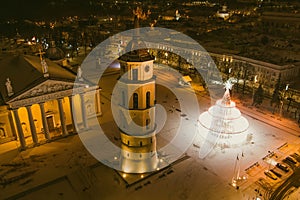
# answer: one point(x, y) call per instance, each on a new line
point(282, 167)
point(291, 162)
point(276, 173)
point(270, 175)
point(295, 156)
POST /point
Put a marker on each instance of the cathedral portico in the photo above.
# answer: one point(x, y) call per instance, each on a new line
point(45, 120)
point(49, 107)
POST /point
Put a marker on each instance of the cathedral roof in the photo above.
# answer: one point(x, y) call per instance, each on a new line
point(54, 53)
point(25, 72)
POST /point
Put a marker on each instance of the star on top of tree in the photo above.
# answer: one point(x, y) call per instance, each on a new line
point(229, 83)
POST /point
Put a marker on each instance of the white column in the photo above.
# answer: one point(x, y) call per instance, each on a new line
point(62, 118)
point(19, 129)
point(44, 120)
point(98, 102)
point(84, 120)
point(32, 125)
point(73, 114)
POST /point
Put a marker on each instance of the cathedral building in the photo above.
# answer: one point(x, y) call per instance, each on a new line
point(39, 101)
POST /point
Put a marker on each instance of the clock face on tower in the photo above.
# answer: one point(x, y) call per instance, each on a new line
point(147, 68)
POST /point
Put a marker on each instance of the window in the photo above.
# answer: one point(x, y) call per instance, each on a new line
point(147, 68)
point(148, 99)
point(147, 123)
point(135, 101)
point(134, 74)
point(2, 133)
point(123, 98)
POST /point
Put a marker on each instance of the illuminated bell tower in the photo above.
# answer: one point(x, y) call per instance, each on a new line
point(137, 107)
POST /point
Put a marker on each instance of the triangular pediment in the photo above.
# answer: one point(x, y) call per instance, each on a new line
point(47, 87)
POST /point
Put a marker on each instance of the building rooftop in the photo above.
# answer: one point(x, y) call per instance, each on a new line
point(25, 72)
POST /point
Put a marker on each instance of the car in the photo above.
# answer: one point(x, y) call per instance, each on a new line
point(287, 161)
point(282, 167)
point(270, 175)
point(295, 156)
point(292, 160)
point(276, 173)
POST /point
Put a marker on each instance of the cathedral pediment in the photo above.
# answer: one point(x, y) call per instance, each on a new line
point(47, 90)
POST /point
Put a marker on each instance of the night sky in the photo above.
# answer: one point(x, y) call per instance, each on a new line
point(45, 9)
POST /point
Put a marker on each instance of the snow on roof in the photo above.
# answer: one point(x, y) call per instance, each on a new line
point(25, 72)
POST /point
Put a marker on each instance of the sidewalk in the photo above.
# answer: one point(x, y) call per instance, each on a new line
point(264, 113)
point(9, 146)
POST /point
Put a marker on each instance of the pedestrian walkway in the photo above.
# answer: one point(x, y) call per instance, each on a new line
point(9, 146)
point(264, 113)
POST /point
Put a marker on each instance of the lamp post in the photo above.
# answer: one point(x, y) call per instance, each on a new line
point(254, 82)
point(166, 54)
point(281, 100)
point(227, 60)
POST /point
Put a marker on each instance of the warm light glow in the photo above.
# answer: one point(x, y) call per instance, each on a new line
point(124, 175)
point(228, 85)
point(255, 78)
point(222, 124)
point(233, 183)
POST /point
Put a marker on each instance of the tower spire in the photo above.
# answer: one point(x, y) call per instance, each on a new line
point(138, 14)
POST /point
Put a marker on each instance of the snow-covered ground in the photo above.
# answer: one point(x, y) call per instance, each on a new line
point(64, 169)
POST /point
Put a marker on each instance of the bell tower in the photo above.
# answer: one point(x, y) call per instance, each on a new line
point(137, 105)
point(137, 93)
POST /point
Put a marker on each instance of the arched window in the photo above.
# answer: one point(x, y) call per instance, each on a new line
point(147, 123)
point(123, 121)
point(134, 74)
point(2, 133)
point(141, 143)
point(123, 98)
point(135, 101)
point(148, 99)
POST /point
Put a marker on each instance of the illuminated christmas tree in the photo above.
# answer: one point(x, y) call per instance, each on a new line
point(222, 124)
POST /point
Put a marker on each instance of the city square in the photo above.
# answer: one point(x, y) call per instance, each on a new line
point(93, 109)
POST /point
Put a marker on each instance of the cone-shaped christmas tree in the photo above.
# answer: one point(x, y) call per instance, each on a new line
point(222, 125)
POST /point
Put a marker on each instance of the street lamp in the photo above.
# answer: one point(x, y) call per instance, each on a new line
point(227, 60)
point(166, 55)
point(281, 100)
point(254, 82)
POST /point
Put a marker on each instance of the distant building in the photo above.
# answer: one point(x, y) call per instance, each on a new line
point(36, 100)
point(223, 13)
point(281, 20)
